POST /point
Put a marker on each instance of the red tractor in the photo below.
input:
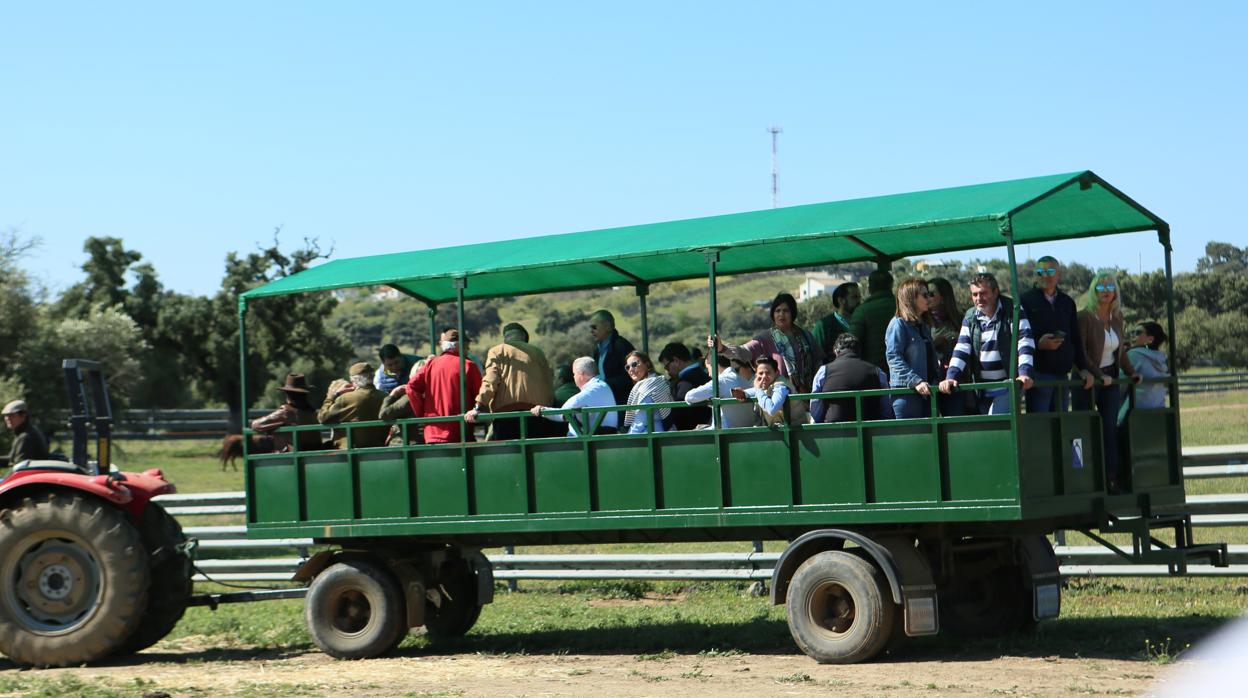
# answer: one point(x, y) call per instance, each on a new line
point(90, 567)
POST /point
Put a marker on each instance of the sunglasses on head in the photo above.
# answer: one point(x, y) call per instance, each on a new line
point(1045, 272)
point(632, 364)
point(1100, 288)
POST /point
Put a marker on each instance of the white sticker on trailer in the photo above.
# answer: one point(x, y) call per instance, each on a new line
point(1076, 453)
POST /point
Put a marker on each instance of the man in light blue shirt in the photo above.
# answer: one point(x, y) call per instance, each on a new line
point(734, 372)
point(594, 393)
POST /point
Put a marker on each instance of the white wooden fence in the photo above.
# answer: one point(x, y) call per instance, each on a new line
point(227, 555)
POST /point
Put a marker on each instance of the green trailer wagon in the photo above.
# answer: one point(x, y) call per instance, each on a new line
point(895, 526)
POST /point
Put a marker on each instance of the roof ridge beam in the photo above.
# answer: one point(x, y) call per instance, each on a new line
point(627, 274)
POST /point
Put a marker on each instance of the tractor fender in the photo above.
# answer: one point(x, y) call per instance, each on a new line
point(814, 542)
point(102, 486)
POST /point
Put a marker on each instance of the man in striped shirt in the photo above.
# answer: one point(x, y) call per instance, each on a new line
point(986, 327)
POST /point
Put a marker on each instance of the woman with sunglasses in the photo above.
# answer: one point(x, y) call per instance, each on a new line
point(648, 388)
point(1105, 355)
point(909, 350)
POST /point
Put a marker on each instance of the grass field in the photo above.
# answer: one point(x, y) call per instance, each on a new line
point(1153, 619)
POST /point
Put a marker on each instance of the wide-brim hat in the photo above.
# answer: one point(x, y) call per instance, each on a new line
point(295, 383)
point(360, 369)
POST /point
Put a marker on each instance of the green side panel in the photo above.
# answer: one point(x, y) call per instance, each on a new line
point(276, 490)
point(689, 473)
point(832, 470)
point(625, 478)
point(990, 471)
point(561, 476)
point(905, 463)
point(441, 482)
point(1081, 452)
point(498, 480)
point(1039, 454)
point(385, 490)
point(1152, 438)
point(328, 487)
point(759, 472)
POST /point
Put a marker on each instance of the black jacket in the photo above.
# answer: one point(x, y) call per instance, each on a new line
point(613, 367)
point(848, 372)
point(686, 418)
point(1046, 319)
point(28, 444)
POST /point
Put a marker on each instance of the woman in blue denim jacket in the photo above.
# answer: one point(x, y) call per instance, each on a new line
point(910, 352)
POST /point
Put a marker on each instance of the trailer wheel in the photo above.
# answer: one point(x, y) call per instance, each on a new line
point(171, 573)
point(73, 580)
point(460, 607)
point(354, 610)
point(839, 608)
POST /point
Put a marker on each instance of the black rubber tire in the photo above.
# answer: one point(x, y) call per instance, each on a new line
point(457, 614)
point(991, 605)
point(355, 610)
point(171, 574)
point(73, 580)
point(839, 608)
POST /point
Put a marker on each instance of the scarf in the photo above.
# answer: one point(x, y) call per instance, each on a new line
point(797, 363)
point(653, 387)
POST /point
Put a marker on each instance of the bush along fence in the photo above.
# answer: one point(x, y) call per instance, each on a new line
point(226, 555)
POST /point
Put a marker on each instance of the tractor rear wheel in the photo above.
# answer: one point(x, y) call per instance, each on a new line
point(73, 580)
point(171, 573)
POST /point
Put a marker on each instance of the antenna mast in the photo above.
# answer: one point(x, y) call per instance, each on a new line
point(775, 173)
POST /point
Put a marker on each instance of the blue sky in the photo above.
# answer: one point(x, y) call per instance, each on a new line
point(192, 130)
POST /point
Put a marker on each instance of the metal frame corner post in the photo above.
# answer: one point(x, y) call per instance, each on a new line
point(433, 329)
point(1007, 230)
point(1163, 236)
point(643, 290)
point(712, 259)
point(461, 283)
point(242, 371)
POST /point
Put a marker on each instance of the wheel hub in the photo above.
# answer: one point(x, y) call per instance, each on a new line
point(57, 583)
point(832, 609)
point(352, 612)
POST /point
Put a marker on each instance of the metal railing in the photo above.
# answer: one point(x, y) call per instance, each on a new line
point(221, 545)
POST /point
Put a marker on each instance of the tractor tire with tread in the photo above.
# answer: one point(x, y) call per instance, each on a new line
point(457, 614)
point(172, 578)
point(73, 580)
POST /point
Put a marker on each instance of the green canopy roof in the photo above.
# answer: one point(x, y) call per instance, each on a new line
point(1056, 207)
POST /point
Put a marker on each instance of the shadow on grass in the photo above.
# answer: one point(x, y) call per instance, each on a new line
point(1113, 638)
point(1109, 638)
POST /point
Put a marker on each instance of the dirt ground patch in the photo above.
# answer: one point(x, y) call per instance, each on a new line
point(415, 674)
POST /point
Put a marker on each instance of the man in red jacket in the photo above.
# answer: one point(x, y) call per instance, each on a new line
point(434, 390)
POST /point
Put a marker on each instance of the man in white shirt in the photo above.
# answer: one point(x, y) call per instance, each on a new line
point(594, 393)
point(734, 372)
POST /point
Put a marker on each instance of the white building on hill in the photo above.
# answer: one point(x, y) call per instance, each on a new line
point(817, 284)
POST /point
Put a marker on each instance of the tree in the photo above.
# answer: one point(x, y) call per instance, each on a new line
point(284, 333)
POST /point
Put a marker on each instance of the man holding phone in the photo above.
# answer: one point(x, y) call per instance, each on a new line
point(1052, 315)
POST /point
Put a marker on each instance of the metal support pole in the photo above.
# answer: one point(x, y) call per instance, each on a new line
point(242, 372)
point(1163, 235)
point(460, 284)
point(712, 258)
point(643, 290)
point(433, 330)
point(1007, 229)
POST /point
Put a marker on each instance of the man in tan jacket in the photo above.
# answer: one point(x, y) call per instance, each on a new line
point(517, 377)
point(354, 401)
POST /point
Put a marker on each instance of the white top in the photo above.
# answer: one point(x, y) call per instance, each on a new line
point(595, 393)
point(1108, 357)
point(740, 414)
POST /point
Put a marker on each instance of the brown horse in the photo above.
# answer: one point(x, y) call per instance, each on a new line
point(232, 448)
